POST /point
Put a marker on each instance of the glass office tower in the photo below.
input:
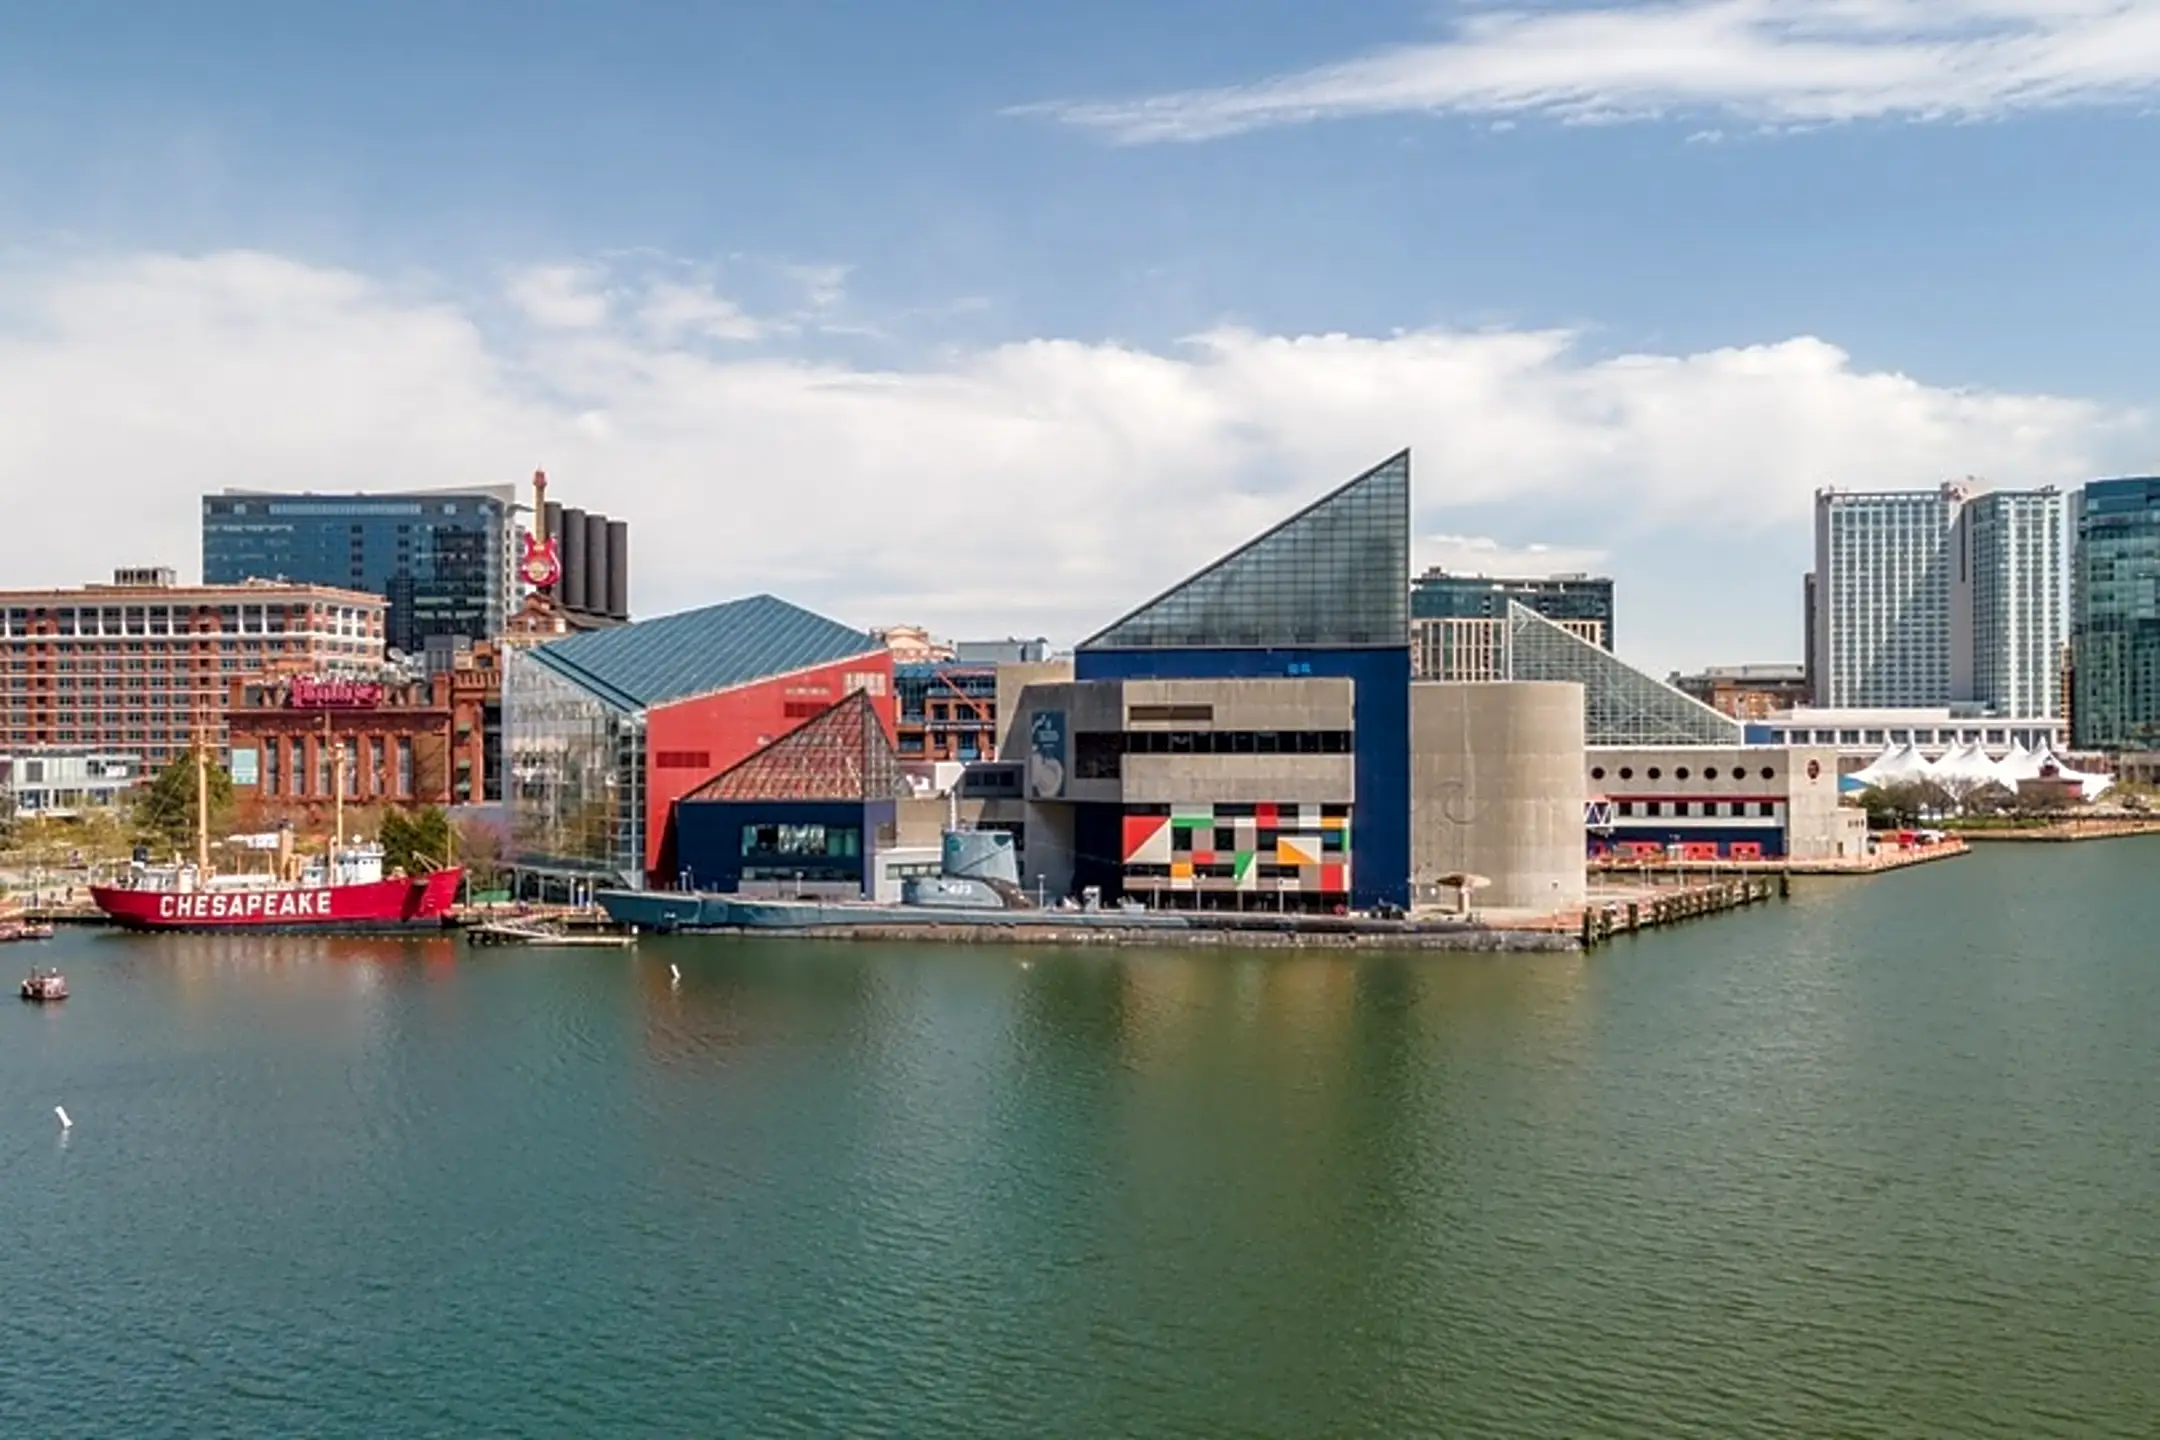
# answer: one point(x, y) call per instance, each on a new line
point(442, 558)
point(2115, 615)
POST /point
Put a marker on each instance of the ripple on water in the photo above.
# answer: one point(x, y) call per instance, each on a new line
point(1873, 1163)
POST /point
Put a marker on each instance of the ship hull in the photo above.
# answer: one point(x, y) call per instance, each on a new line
point(422, 901)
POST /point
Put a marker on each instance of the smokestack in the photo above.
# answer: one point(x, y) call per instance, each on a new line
point(618, 569)
point(596, 576)
point(574, 560)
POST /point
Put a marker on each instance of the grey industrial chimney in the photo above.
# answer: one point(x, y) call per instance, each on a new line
point(571, 592)
point(596, 566)
point(618, 569)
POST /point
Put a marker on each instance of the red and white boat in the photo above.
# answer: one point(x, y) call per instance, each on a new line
point(355, 895)
point(343, 892)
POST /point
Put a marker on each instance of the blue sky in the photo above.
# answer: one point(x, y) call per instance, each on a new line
point(893, 308)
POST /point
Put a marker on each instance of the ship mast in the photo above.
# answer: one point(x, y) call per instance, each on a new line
point(337, 791)
point(202, 810)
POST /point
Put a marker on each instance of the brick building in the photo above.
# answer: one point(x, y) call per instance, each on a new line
point(407, 743)
point(140, 666)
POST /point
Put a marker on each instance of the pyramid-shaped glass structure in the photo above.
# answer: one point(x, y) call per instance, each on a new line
point(1621, 705)
point(841, 753)
point(1336, 575)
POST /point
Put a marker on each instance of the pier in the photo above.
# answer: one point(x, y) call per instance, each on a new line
point(1614, 912)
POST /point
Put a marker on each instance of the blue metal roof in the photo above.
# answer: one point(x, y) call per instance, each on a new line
point(700, 651)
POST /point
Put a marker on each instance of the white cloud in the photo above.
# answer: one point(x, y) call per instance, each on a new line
point(1041, 486)
point(673, 308)
point(1777, 62)
point(559, 297)
point(823, 286)
point(1483, 555)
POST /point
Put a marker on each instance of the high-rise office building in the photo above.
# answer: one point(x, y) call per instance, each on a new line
point(2115, 615)
point(2007, 604)
point(443, 559)
point(1925, 598)
point(1458, 623)
point(1883, 566)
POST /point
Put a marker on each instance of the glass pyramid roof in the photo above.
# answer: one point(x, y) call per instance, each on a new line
point(840, 753)
point(1334, 575)
point(1621, 705)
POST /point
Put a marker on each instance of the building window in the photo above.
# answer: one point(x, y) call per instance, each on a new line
point(808, 841)
point(404, 765)
point(323, 763)
point(270, 750)
point(684, 759)
point(378, 775)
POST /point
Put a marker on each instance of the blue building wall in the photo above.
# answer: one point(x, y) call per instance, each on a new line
point(1380, 819)
point(709, 845)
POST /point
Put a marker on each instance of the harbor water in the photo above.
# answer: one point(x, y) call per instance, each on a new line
point(1877, 1162)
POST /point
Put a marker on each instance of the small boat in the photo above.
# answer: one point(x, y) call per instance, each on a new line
point(44, 985)
point(15, 928)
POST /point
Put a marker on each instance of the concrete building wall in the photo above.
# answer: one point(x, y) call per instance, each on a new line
point(1268, 704)
point(1011, 681)
point(1273, 779)
point(1784, 800)
point(1497, 789)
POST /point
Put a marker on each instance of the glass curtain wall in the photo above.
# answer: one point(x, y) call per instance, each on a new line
point(576, 777)
point(1621, 705)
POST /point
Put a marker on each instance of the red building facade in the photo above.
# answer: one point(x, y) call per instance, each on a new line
point(605, 731)
point(688, 742)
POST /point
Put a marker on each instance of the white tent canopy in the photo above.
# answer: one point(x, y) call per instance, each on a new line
point(2092, 787)
point(1966, 766)
point(1897, 765)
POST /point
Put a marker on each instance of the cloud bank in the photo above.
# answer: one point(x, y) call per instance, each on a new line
point(1039, 486)
point(1774, 62)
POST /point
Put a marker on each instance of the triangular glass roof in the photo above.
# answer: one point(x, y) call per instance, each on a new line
point(1334, 575)
point(1621, 705)
point(841, 753)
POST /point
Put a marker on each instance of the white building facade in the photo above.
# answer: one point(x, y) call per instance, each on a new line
point(1930, 598)
point(2010, 603)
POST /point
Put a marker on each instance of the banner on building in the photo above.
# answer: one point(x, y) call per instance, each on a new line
point(1047, 762)
point(243, 768)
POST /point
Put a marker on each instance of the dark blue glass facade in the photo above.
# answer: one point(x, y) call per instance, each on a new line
point(2115, 615)
point(1438, 595)
point(441, 559)
point(722, 843)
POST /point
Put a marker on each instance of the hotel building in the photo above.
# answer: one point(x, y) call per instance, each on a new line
point(140, 666)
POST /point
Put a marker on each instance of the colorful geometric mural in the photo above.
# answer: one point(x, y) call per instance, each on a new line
point(1238, 847)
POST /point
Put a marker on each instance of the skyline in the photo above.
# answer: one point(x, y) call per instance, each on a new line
point(950, 348)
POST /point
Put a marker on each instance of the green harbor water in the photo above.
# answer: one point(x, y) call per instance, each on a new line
point(1881, 1161)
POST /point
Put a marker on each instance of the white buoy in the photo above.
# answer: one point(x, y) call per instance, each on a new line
point(676, 972)
point(65, 1123)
